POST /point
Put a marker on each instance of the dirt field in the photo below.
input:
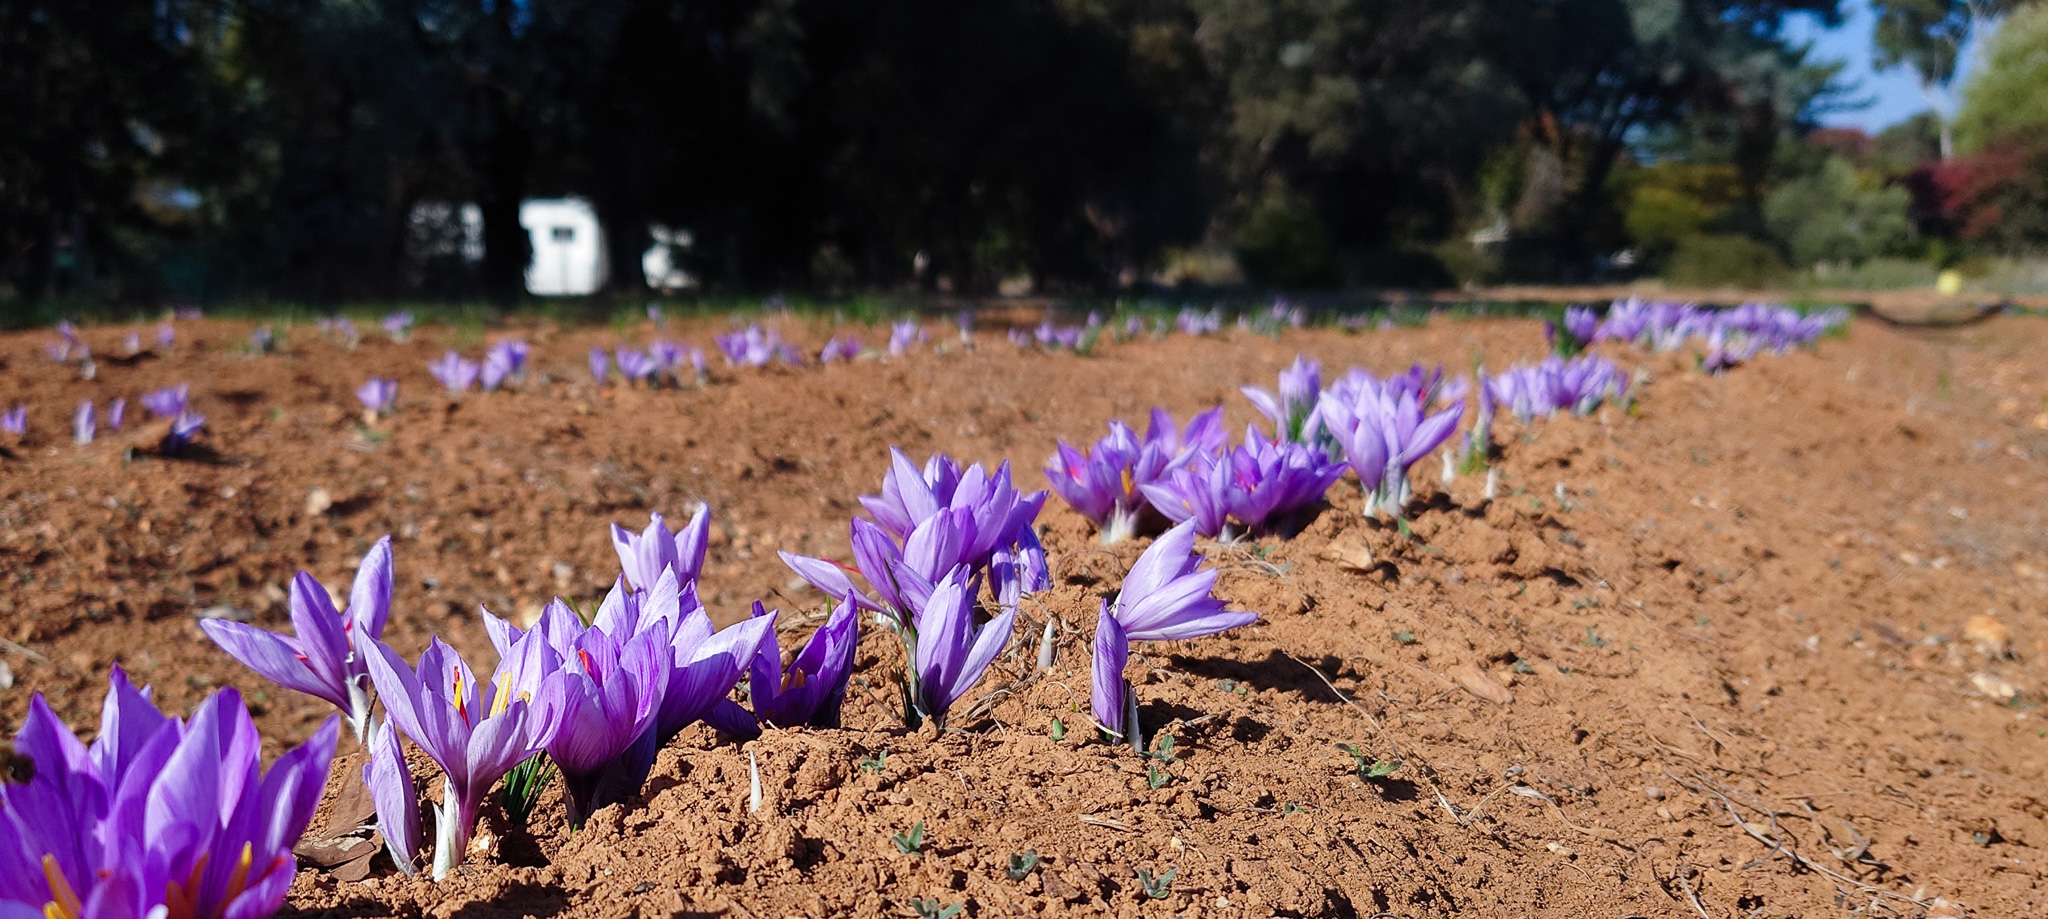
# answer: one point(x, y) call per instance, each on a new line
point(1713, 658)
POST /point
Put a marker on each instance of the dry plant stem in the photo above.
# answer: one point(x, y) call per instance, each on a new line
point(1777, 844)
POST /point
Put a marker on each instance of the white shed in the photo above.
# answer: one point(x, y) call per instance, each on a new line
point(568, 247)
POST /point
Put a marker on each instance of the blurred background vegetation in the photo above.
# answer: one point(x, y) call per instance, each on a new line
point(323, 151)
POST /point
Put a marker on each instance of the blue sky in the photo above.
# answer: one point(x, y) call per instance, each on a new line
point(1894, 94)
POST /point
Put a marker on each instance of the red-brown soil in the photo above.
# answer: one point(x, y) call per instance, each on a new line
point(1707, 658)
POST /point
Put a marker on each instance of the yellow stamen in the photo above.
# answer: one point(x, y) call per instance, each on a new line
point(63, 900)
point(240, 877)
point(461, 701)
point(504, 696)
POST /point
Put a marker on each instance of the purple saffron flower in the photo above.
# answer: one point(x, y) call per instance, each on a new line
point(1105, 484)
point(84, 423)
point(1291, 412)
point(1383, 433)
point(117, 414)
point(1261, 483)
point(1002, 517)
point(505, 360)
point(600, 366)
point(1582, 324)
point(131, 343)
point(811, 690)
point(378, 394)
point(1166, 597)
point(474, 733)
point(396, 797)
point(324, 656)
point(595, 704)
point(455, 372)
point(902, 576)
point(168, 402)
point(644, 556)
point(398, 325)
point(634, 364)
point(754, 347)
point(158, 817)
point(15, 420)
point(166, 335)
point(839, 348)
point(183, 429)
point(904, 334)
point(950, 654)
point(1110, 699)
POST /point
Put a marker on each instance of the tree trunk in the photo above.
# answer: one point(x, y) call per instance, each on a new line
point(507, 247)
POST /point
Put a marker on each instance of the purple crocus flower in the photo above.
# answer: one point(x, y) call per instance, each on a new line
point(505, 360)
point(1383, 433)
point(168, 402)
point(839, 348)
point(600, 366)
point(1110, 698)
point(166, 334)
point(667, 356)
point(324, 656)
point(398, 325)
point(475, 734)
point(15, 420)
point(595, 704)
point(753, 347)
point(183, 429)
point(1582, 324)
point(1260, 483)
point(644, 556)
point(902, 576)
point(455, 372)
point(131, 343)
point(396, 798)
point(950, 654)
point(811, 690)
point(1300, 385)
point(1002, 517)
point(157, 817)
point(1167, 598)
point(635, 364)
point(378, 394)
point(904, 334)
point(84, 423)
point(117, 414)
point(1105, 484)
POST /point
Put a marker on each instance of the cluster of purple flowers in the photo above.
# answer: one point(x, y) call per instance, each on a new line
point(935, 536)
point(69, 346)
point(903, 335)
point(1106, 483)
point(754, 346)
point(1730, 335)
point(1191, 321)
point(398, 325)
point(1577, 385)
point(158, 816)
point(172, 402)
point(85, 421)
point(1384, 427)
point(844, 347)
point(660, 361)
point(1053, 337)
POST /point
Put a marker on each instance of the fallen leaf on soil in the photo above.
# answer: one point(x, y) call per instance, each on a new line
point(1997, 687)
point(335, 850)
point(1989, 635)
point(1478, 683)
point(1350, 552)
